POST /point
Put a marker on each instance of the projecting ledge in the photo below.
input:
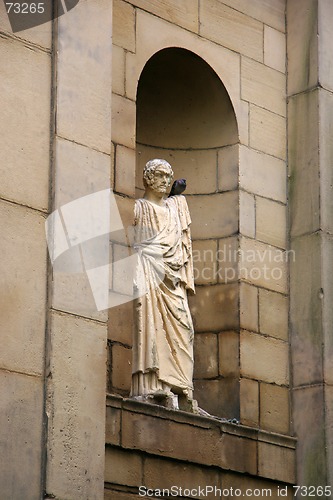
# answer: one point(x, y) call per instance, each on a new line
point(156, 430)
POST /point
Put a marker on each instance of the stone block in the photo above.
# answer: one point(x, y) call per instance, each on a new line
point(272, 353)
point(84, 36)
point(123, 121)
point(184, 14)
point(247, 214)
point(126, 209)
point(121, 367)
point(273, 314)
point(232, 29)
point(262, 174)
point(228, 168)
point(118, 70)
point(123, 25)
point(160, 473)
point(215, 308)
point(218, 397)
point(227, 260)
point(123, 467)
point(21, 430)
point(327, 311)
point(205, 355)
point(271, 222)
point(123, 271)
point(302, 45)
point(248, 307)
point(23, 275)
point(274, 49)
point(277, 463)
point(24, 158)
point(198, 167)
point(325, 20)
point(41, 36)
point(232, 482)
point(263, 86)
point(326, 151)
point(303, 147)
point(229, 354)
point(113, 425)
point(263, 265)
point(249, 402)
point(121, 323)
point(76, 407)
point(306, 302)
point(205, 261)
point(239, 454)
point(274, 408)
point(271, 12)
point(309, 413)
point(268, 132)
point(125, 171)
point(117, 495)
point(214, 216)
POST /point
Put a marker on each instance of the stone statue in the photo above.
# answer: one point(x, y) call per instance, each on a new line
point(163, 333)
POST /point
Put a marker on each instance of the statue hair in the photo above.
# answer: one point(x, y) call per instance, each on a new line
point(151, 166)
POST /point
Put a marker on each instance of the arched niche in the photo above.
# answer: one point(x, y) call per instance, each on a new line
point(185, 115)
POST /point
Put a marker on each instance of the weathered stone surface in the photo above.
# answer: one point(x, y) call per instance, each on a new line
point(274, 49)
point(198, 167)
point(123, 25)
point(76, 407)
point(121, 367)
point(249, 402)
point(184, 13)
point(229, 354)
point(327, 311)
point(277, 463)
point(267, 132)
point(227, 260)
point(273, 314)
point(308, 413)
point(326, 152)
point(39, 35)
point(21, 426)
point(84, 36)
point(239, 454)
point(215, 307)
point(262, 174)
point(263, 265)
point(273, 354)
point(228, 168)
point(218, 397)
point(302, 45)
point(113, 425)
point(325, 20)
point(24, 158)
point(118, 70)
point(214, 216)
point(271, 222)
point(117, 495)
point(205, 261)
point(125, 171)
point(123, 467)
point(121, 323)
point(232, 29)
point(23, 275)
point(159, 474)
point(205, 355)
point(271, 12)
point(123, 121)
point(303, 149)
point(255, 485)
point(247, 215)
point(274, 408)
point(248, 307)
point(306, 310)
point(263, 86)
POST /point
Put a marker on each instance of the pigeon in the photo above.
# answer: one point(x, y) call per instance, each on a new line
point(178, 187)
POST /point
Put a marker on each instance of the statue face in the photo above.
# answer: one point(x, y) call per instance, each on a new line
point(161, 179)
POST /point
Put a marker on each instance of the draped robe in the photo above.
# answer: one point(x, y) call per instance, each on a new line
point(163, 333)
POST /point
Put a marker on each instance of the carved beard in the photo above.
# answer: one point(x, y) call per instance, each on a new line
point(158, 186)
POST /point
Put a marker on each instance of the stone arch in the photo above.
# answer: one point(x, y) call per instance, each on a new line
point(185, 115)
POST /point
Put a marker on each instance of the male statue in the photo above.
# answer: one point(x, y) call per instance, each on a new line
point(163, 332)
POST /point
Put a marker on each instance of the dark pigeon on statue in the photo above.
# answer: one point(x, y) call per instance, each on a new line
point(178, 187)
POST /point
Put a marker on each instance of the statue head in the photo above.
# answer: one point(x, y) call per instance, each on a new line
point(157, 175)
